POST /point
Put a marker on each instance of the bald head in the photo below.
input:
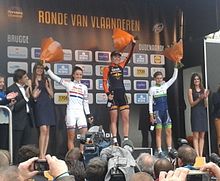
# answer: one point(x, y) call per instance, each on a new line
point(141, 176)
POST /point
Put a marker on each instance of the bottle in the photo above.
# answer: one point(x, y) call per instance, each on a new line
point(110, 102)
point(152, 126)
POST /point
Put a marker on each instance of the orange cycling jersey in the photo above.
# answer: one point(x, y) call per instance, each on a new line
point(113, 74)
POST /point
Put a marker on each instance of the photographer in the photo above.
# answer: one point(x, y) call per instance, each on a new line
point(57, 168)
point(120, 162)
point(162, 164)
point(186, 157)
point(96, 169)
point(145, 162)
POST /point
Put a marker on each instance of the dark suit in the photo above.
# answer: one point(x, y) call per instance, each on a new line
point(21, 121)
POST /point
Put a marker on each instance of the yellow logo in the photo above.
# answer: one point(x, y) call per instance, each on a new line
point(141, 71)
point(60, 98)
point(157, 59)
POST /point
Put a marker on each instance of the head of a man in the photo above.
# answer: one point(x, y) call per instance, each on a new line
point(96, 169)
point(186, 155)
point(143, 176)
point(20, 76)
point(145, 162)
point(162, 164)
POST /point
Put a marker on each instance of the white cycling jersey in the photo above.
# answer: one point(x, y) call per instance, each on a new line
point(77, 101)
point(158, 94)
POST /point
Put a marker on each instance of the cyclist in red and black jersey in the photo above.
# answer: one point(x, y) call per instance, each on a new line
point(114, 88)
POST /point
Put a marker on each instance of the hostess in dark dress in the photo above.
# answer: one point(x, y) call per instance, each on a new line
point(44, 107)
point(198, 114)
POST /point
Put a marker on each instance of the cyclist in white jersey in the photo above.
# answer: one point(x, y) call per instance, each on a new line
point(77, 107)
point(158, 108)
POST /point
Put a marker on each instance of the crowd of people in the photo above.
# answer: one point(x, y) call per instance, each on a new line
point(106, 166)
point(31, 103)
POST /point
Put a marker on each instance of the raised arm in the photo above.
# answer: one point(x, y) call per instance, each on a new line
point(52, 75)
point(173, 78)
point(125, 62)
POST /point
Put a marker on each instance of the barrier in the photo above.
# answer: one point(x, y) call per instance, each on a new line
point(10, 132)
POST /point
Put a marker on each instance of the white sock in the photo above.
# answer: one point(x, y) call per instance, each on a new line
point(115, 140)
point(159, 150)
point(169, 148)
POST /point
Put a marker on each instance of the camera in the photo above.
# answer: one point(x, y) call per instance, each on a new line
point(173, 153)
point(116, 173)
point(196, 175)
point(94, 141)
point(41, 165)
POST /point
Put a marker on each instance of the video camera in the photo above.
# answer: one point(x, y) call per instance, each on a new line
point(173, 154)
point(94, 141)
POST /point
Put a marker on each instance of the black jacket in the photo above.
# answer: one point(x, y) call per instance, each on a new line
point(19, 113)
